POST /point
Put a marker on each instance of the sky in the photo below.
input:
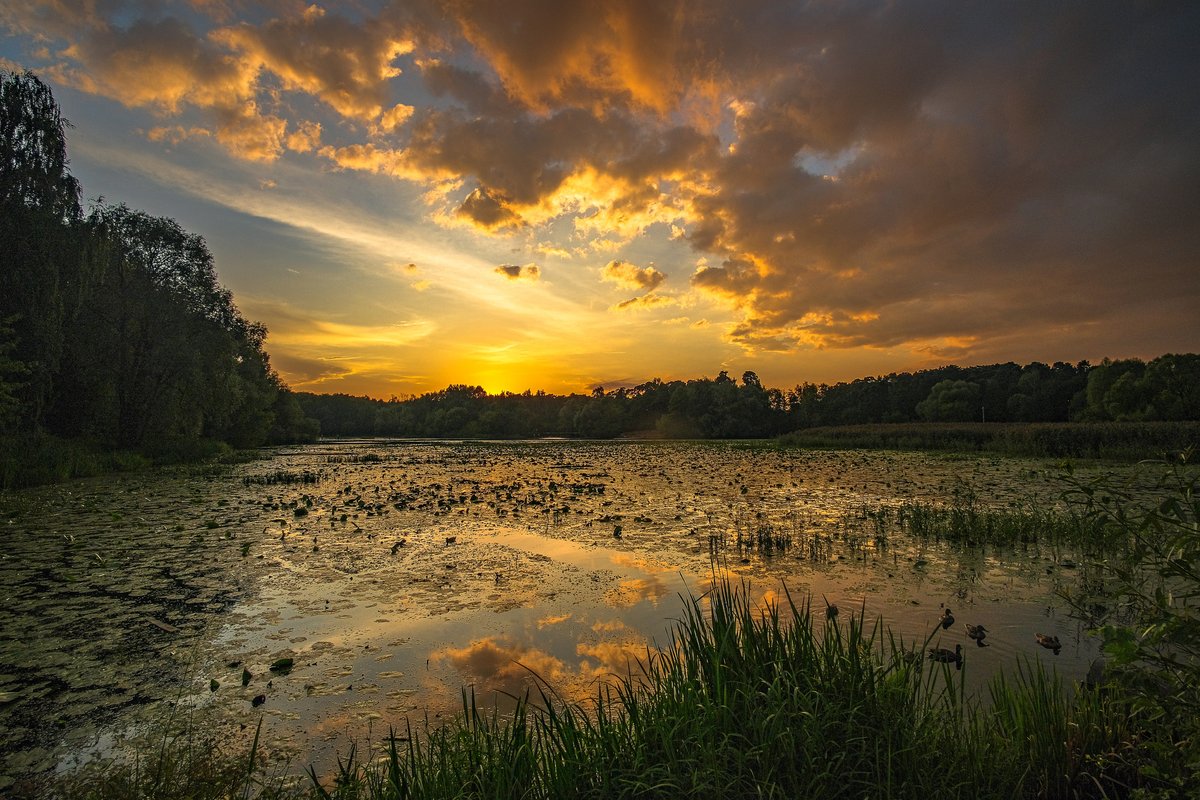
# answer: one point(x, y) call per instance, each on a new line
point(542, 194)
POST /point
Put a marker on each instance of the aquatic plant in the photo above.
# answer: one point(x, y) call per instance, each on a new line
point(964, 520)
point(281, 476)
point(1146, 605)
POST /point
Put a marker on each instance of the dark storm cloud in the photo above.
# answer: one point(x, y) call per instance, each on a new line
point(933, 175)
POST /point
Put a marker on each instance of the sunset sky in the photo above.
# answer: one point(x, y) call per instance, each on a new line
point(554, 195)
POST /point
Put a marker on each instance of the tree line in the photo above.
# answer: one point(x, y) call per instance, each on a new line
point(1166, 388)
point(114, 329)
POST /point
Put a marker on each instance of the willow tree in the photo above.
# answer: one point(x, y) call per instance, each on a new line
point(39, 233)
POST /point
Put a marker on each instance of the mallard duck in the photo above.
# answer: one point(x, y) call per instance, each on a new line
point(947, 619)
point(946, 656)
point(976, 632)
point(1049, 642)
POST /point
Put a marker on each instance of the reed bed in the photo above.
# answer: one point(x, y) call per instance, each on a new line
point(1118, 441)
point(963, 520)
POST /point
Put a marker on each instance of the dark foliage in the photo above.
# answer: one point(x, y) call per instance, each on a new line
point(1166, 389)
point(114, 330)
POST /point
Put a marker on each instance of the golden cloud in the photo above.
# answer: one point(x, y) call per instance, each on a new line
point(488, 211)
point(395, 117)
point(585, 53)
point(630, 276)
point(345, 64)
point(248, 134)
point(305, 138)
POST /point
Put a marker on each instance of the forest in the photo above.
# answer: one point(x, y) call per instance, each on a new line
point(114, 330)
point(1129, 390)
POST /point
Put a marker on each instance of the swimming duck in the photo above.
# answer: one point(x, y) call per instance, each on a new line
point(1049, 642)
point(947, 619)
point(945, 656)
point(831, 609)
point(976, 632)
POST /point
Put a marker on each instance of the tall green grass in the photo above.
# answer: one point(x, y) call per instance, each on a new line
point(750, 701)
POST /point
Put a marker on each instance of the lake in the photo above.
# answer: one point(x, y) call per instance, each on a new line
point(394, 574)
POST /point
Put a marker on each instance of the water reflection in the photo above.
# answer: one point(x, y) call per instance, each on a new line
point(409, 570)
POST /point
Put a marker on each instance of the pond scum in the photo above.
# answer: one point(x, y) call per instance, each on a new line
point(767, 699)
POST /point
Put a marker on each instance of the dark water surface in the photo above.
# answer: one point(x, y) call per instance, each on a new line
point(408, 570)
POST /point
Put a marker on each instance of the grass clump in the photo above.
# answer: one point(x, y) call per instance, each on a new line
point(963, 520)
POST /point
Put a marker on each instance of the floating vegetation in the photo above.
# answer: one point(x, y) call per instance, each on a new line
point(282, 665)
point(281, 476)
point(364, 458)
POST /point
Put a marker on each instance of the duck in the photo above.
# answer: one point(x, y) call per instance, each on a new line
point(945, 656)
point(1049, 642)
point(976, 632)
point(831, 609)
point(947, 619)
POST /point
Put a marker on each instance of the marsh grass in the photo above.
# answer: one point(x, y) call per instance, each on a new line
point(756, 533)
point(964, 520)
point(1121, 441)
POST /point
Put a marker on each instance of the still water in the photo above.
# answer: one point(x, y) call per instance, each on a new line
point(395, 574)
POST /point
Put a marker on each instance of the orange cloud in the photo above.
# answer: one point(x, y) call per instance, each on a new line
point(873, 175)
point(585, 53)
point(305, 138)
point(630, 276)
point(343, 63)
point(488, 210)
